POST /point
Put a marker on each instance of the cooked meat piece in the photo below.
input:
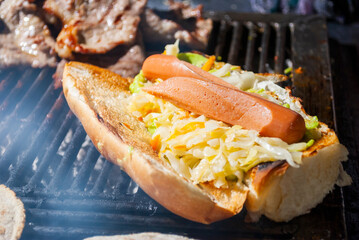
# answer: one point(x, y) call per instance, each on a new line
point(156, 29)
point(95, 26)
point(123, 60)
point(28, 40)
point(10, 11)
point(181, 22)
point(11, 54)
point(130, 63)
point(184, 10)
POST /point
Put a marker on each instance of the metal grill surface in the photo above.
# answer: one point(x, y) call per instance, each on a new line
point(70, 191)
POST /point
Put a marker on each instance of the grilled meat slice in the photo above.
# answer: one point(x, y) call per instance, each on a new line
point(95, 26)
point(28, 39)
point(181, 22)
point(130, 63)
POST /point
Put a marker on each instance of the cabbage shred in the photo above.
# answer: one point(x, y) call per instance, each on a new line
point(206, 150)
point(202, 149)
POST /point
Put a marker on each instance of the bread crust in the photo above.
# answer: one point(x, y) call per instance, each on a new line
point(281, 192)
point(160, 182)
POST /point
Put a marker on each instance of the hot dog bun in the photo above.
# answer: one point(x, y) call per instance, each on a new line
point(12, 215)
point(281, 192)
point(94, 95)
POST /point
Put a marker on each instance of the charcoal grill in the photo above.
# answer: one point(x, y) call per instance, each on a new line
point(70, 191)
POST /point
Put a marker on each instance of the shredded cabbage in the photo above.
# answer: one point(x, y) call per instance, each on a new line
point(172, 49)
point(203, 149)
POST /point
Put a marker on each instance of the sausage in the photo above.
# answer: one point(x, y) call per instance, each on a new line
point(232, 106)
point(167, 66)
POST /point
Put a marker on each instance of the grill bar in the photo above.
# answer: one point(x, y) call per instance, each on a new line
point(136, 221)
point(32, 95)
point(138, 206)
point(48, 157)
point(252, 36)
point(21, 136)
point(256, 38)
point(6, 84)
point(102, 178)
point(24, 161)
point(89, 162)
point(221, 39)
point(69, 156)
point(264, 48)
point(41, 108)
point(279, 47)
point(235, 43)
point(124, 182)
point(17, 92)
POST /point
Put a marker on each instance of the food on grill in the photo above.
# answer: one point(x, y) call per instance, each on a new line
point(197, 167)
point(12, 215)
point(112, 40)
point(89, 27)
point(141, 236)
point(95, 26)
point(104, 33)
point(217, 99)
point(167, 66)
point(27, 39)
point(182, 22)
point(231, 106)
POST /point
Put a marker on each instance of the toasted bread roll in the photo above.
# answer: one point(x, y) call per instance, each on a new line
point(12, 215)
point(281, 192)
point(95, 95)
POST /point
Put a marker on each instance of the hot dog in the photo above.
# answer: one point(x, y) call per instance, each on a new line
point(227, 103)
point(167, 66)
point(232, 106)
point(201, 168)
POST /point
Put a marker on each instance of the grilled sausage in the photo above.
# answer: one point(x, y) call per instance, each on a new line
point(232, 106)
point(167, 66)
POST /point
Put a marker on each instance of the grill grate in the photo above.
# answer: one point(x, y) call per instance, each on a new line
point(72, 192)
point(249, 44)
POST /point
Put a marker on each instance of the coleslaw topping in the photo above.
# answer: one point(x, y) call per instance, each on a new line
point(203, 149)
